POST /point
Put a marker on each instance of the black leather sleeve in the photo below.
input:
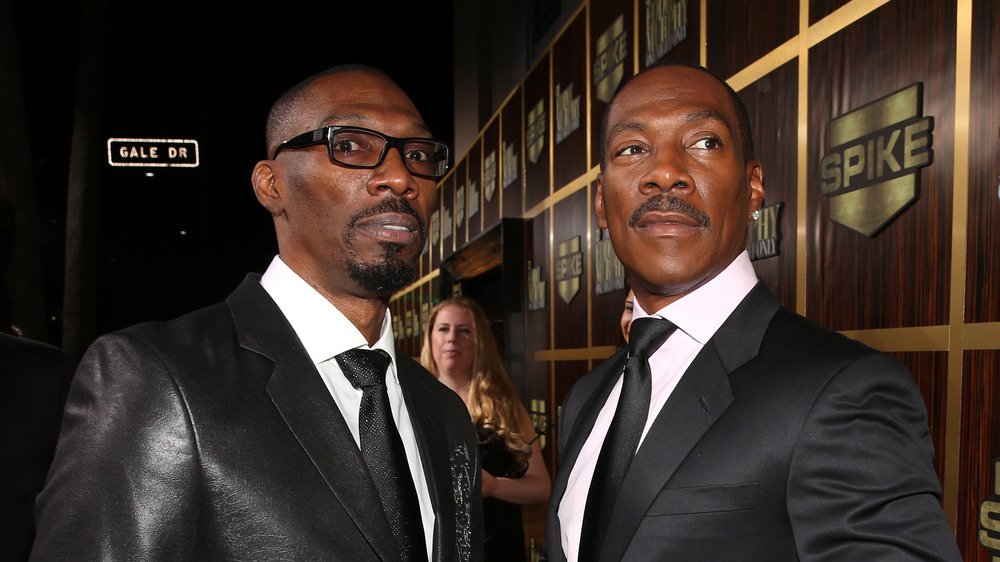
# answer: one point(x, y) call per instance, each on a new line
point(124, 481)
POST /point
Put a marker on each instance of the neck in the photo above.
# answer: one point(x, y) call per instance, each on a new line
point(367, 316)
point(459, 383)
point(365, 311)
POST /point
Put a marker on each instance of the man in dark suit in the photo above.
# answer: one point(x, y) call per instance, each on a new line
point(233, 433)
point(749, 433)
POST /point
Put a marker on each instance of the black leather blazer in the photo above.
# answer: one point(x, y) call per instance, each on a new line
point(213, 437)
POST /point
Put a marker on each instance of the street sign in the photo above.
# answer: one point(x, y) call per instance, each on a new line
point(157, 153)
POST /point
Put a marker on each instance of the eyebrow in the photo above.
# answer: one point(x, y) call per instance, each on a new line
point(707, 115)
point(364, 120)
point(693, 117)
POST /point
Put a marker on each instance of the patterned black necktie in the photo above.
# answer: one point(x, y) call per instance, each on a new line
point(645, 336)
point(383, 450)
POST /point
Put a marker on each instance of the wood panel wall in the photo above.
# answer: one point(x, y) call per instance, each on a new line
point(924, 288)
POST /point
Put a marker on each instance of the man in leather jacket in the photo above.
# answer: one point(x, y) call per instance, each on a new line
point(231, 433)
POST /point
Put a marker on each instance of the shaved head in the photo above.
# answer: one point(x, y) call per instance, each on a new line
point(281, 118)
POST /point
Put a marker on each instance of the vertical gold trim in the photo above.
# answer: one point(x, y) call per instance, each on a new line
point(500, 157)
point(959, 249)
point(703, 33)
point(482, 185)
point(802, 172)
point(552, 277)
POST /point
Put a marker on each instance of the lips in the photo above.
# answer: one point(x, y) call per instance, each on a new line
point(656, 218)
point(390, 227)
point(393, 220)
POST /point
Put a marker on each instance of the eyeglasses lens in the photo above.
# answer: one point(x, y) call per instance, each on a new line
point(360, 148)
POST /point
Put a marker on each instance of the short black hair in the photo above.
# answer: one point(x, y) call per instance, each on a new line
point(283, 109)
point(742, 116)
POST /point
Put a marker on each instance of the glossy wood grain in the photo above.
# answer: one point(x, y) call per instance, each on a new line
point(537, 185)
point(688, 49)
point(980, 446)
point(512, 144)
point(569, 70)
point(603, 14)
point(474, 161)
point(491, 145)
point(983, 277)
point(461, 190)
point(448, 217)
point(742, 31)
point(901, 276)
point(772, 103)
point(569, 220)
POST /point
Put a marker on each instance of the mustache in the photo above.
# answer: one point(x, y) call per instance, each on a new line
point(390, 205)
point(670, 204)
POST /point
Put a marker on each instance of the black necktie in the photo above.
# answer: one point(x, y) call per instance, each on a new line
point(645, 336)
point(383, 450)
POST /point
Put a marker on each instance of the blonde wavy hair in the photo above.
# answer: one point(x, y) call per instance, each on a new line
point(493, 402)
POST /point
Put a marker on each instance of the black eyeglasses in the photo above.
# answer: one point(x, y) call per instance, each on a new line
point(356, 147)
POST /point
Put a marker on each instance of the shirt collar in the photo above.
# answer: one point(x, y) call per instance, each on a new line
point(323, 330)
point(701, 312)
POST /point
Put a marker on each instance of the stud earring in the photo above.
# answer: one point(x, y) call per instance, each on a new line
point(755, 214)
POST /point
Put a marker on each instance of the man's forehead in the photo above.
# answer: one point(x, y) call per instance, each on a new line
point(361, 99)
point(413, 125)
point(674, 86)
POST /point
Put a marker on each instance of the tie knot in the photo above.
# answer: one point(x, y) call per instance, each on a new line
point(363, 367)
point(646, 335)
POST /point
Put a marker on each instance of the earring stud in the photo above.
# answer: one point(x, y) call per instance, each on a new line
point(755, 214)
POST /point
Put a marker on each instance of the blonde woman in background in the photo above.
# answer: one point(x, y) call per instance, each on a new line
point(459, 349)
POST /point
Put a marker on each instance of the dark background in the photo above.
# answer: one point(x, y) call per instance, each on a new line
point(208, 71)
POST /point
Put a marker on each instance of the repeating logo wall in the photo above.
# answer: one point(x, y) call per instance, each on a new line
point(666, 26)
point(536, 288)
point(535, 134)
point(608, 268)
point(569, 268)
point(989, 517)
point(764, 234)
point(872, 169)
point(609, 60)
point(490, 175)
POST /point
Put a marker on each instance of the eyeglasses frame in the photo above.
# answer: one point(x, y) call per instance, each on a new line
point(324, 135)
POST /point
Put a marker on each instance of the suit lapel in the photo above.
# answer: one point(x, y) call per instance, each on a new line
point(700, 398)
point(431, 438)
point(304, 402)
point(606, 374)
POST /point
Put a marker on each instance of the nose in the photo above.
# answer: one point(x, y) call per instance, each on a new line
point(667, 171)
point(393, 175)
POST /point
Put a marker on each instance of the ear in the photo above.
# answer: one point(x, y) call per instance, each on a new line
point(602, 219)
point(755, 178)
point(265, 187)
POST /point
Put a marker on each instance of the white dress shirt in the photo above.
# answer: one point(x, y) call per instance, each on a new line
point(697, 315)
point(325, 332)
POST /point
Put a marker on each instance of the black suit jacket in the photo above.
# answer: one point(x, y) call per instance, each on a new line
point(213, 437)
point(32, 391)
point(782, 441)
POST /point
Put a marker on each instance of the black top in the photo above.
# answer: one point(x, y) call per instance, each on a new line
point(504, 531)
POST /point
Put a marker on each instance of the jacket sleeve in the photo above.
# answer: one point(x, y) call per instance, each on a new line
point(862, 484)
point(124, 480)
